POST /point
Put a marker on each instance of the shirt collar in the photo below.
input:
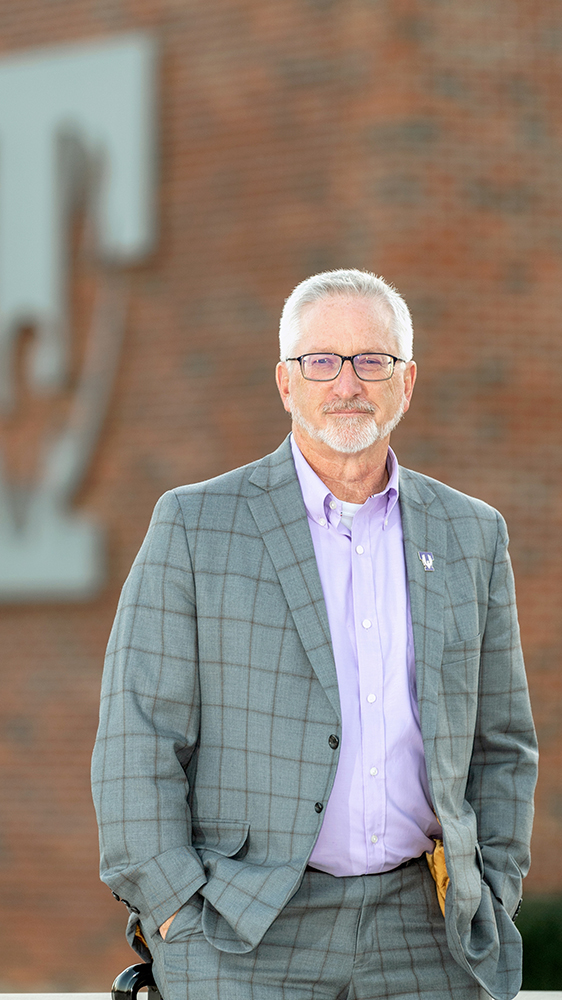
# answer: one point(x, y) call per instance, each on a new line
point(317, 497)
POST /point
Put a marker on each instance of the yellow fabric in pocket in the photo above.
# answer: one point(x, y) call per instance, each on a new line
point(139, 934)
point(438, 869)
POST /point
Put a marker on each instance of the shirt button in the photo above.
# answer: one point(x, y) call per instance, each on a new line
point(366, 623)
point(371, 698)
point(374, 839)
point(322, 522)
point(332, 504)
point(359, 549)
point(373, 771)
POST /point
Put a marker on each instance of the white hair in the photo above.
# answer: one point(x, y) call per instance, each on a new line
point(345, 282)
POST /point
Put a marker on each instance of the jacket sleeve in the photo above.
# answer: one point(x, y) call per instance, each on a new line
point(503, 768)
point(149, 722)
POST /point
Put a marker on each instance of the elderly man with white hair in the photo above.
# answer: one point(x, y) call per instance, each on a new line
point(315, 764)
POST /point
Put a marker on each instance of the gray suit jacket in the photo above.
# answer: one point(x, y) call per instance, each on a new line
point(220, 694)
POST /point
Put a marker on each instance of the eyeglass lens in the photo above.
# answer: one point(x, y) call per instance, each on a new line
point(370, 367)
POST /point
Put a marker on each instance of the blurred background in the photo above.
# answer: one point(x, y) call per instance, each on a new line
point(169, 170)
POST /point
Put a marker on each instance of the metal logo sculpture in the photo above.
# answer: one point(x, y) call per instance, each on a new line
point(72, 118)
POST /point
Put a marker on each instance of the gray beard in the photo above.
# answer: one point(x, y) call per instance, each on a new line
point(356, 434)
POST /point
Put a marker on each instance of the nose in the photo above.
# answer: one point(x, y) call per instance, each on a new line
point(347, 383)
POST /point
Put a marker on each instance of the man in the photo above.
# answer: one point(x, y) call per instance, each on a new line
point(314, 675)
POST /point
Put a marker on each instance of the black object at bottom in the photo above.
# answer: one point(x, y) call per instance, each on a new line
point(133, 979)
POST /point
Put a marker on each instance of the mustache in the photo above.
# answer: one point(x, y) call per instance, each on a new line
point(345, 405)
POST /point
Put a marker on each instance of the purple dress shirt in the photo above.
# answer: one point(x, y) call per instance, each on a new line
point(379, 813)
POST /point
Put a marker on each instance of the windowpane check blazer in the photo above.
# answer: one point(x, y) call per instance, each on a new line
point(220, 696)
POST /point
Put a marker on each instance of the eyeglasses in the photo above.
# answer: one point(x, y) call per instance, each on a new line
point(326, 367)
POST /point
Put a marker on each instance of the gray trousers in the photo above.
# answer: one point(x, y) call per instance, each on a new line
point(354, 938)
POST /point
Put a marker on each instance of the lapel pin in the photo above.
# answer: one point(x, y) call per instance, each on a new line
point(427, 561)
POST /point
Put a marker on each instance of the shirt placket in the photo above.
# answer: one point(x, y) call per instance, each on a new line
point(366, 529)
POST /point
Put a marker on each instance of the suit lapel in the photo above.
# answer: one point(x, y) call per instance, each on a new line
point(280, 515)
point(425, 530)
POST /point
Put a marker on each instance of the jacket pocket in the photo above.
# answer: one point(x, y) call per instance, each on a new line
point(221, 836)
point(462, 650)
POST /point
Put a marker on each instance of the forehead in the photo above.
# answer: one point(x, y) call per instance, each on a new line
point(345, 324)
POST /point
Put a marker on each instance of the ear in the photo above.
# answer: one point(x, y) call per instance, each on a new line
point(410, 375)
point(282, 379)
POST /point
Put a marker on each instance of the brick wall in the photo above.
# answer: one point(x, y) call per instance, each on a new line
point(421, 140)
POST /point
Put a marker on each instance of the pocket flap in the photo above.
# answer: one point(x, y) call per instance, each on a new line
point(453, 651)
point(225, 836)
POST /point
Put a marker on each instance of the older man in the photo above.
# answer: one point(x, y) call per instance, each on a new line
point(315, 676)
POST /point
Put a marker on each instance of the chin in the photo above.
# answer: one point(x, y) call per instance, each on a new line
point(357, 435)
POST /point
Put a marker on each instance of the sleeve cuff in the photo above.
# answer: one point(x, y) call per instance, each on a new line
point(159, 886)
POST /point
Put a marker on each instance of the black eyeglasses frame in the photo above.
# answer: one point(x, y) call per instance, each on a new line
point(351, 358)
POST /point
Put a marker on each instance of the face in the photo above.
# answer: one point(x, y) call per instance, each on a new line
point(346, 415)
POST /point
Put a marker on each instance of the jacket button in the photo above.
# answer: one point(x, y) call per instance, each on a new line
point(115, 896)
point(319, 807)
point(126, 902)
point(334, 741)
point(134, 909)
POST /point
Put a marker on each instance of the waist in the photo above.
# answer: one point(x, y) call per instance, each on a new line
point(405, 864)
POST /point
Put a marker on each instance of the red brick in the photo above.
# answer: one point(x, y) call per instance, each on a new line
point(419, 140)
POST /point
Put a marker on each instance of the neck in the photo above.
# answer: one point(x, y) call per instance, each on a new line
point(352, 478)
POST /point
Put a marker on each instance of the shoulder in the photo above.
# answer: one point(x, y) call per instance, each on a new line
point(444, 501)
point(223, 495)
